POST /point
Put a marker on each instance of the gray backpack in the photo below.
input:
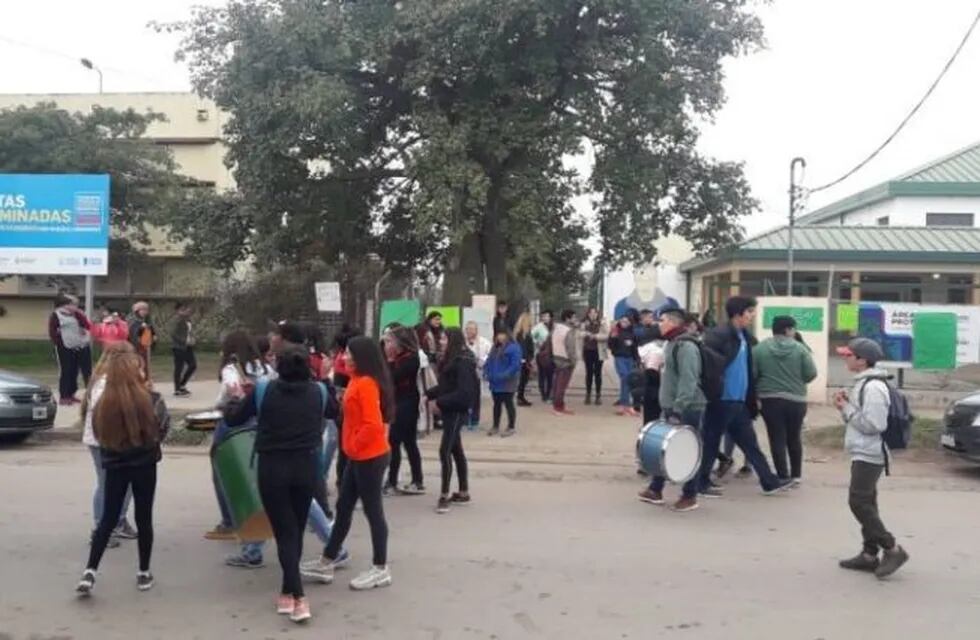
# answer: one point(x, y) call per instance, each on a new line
point(73, 335)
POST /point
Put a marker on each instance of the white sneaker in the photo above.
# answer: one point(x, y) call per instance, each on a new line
point(318, 570)
point(371, 579)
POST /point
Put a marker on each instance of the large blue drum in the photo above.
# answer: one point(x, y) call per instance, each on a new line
point(669, 450)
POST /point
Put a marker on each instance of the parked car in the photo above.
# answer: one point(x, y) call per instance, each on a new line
point(26, 406)
point(961, 433)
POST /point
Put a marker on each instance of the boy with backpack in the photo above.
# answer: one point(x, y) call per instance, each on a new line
point(875, 414)
point(69, 330)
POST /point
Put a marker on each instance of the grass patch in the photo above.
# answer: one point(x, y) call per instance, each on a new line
point(925, 435)
point(36, 357)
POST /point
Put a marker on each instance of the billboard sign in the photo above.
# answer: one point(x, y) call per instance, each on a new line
point(54, 224)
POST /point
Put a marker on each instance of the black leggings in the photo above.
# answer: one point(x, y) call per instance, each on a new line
point(404, 431)
point(593, 372)
point(287, 481)
point(143, 480)
point(522, 386)
point(362, 479)
point(500, 401)
point(185, 364)
point(784, 424)
point(451, 449)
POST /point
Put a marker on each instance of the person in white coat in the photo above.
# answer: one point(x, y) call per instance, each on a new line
point(480, 347)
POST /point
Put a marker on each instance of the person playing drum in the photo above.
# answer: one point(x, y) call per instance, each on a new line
point(681, 398)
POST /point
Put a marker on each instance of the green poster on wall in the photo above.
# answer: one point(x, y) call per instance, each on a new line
point(847, 317)
point(405, 312)
point(934, 341)
point(807, 318)
point(450, 315)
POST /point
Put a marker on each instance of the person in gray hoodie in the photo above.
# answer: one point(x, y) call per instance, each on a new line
point(865, 413)
point(681, 398)
point(782, 366)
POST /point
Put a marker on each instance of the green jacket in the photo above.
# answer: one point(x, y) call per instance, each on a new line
point(782, 367)
point(680, 382)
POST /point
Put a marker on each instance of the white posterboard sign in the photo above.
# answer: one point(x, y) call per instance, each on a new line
point(328, 297)
point(815, 332)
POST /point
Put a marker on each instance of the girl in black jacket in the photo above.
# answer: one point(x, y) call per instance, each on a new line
point(453, 397)
point(130, 423)
point(402, 351)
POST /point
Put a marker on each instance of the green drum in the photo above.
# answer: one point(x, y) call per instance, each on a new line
point(233, 463)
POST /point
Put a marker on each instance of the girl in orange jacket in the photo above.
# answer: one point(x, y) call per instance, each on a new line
point(368, 408)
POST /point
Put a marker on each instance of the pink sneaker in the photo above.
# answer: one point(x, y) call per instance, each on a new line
point(287, 605)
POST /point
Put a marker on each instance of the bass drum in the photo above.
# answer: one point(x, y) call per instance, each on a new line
point(668, 450)
point(234, 465)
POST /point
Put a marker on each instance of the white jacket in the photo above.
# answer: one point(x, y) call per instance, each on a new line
point(866, 417)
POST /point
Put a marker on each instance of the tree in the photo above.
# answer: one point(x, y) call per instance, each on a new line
point(436, 133)
point(46, 139)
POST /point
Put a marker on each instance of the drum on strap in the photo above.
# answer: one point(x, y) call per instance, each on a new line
point(669, 450)
point(203, 421)
point(233, 463)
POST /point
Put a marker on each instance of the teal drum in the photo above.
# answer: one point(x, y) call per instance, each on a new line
point(669, 450)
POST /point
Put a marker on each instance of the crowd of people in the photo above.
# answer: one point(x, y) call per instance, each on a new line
point(360, 403)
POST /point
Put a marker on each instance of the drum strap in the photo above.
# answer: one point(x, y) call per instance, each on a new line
point(262, 385)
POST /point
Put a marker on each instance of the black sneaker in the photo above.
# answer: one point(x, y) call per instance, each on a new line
point(891, 561)
point(443, 505)
point(86, 584)
point(712, 492)
point(460, 498)
point(781, 485)
point(522, 402)
point(493, 432)
point(588, 399)
point(724, 467)
point(144, 580)
point(860, 562)
point(508, 433)
point(598, 401)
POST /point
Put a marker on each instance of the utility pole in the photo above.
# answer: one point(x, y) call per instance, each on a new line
point(793, 191)
point(89, 280)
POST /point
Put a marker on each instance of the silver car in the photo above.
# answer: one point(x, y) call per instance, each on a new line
point(26, 406)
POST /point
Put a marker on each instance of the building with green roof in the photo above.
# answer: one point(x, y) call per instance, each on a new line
point(915, 238)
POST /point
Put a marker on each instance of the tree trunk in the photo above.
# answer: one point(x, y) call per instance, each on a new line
point(464, 272)
point(493, 244)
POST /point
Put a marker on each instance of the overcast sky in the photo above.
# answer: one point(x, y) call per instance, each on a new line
point(836, 78)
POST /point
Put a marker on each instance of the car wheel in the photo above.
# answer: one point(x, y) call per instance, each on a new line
point(13, 438)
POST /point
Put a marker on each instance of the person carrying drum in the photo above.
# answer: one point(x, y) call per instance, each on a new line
point(289, 444)
point(681, 398)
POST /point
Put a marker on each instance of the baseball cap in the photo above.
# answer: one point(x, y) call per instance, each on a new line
point(864, 348)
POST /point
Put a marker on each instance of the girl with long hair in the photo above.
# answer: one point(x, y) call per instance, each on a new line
point(452, 398)
point(523, 337)
point(368, 406)
point(290, 414)
point(402, 353)
point(129, 424)
point(595, 339)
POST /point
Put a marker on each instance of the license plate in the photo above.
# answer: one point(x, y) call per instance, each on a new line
point(947, 440)
point(40, 413)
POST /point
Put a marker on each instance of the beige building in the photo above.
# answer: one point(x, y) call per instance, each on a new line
point(193, 133)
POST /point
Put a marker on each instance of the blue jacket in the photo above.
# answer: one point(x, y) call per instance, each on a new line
point(503, 367)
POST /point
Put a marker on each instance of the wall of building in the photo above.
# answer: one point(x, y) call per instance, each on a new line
point(909, 211)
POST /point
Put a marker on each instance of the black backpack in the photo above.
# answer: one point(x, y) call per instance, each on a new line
point(898, 433)
point(713, 366)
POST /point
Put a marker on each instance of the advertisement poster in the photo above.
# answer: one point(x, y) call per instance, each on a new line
point(811, 316)
point(54, 224)
point(892, 326)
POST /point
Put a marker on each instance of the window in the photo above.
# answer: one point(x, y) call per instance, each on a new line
point(949, 219)
point(883, 221)
point(956, 296)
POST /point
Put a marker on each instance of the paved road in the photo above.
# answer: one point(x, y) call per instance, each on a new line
point(546, 551)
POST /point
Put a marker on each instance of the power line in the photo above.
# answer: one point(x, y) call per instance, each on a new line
point(911, 114)
point(68, 56)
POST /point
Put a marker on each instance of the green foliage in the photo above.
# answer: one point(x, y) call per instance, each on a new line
point(46, 139)
point(424, 130)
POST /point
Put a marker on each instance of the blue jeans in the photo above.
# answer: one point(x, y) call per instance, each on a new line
point(624, 367)
point(733, 417)
point(690, 488)
point(98, 500)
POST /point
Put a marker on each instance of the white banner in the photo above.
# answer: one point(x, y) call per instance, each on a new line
point(64, 261)
point(328, 297)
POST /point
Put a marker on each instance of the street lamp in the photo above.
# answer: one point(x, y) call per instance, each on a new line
point(89, 281)
point(792, 218)
point(88, 65)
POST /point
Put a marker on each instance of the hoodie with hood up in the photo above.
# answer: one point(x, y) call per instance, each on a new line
point(782, 367)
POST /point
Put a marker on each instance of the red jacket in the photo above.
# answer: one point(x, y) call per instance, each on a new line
point(365, 435)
